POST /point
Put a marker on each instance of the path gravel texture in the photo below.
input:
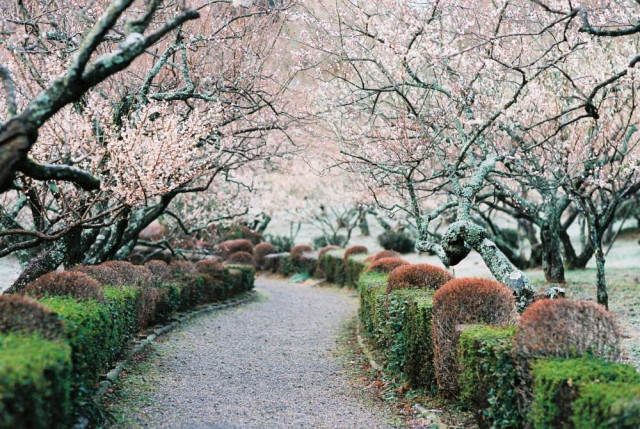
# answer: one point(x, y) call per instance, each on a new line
point(268, 364)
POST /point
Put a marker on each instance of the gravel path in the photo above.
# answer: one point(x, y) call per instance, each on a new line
point(268, 364)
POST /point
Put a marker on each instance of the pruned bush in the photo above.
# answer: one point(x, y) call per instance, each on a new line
point(386, 265)
point(566, 328)
point(180, 269)
point(460, 302)
point(488, 376)
point(607, 405)
point(417, 276)
point(22, 314)
point(383, 254)
point(211, 267)
point(298, 251)
point(88, 326)
point(557, 383)
point(241, 258)
point(354, 250)
point(129, 274)
point(118, 273)
point(77, 285)
point(261, 251)
point(35, 376)
point(159, 269)
point(400, 241)
point(229, 247)
point(326, 249)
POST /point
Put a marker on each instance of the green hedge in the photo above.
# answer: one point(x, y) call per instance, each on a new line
point(35, 376)
point(400, 325)
point(419, 361)
point(170, 301)
point(557, 383)
point(243, 282)
point(88, 326)
point(488, 377)
point(286, 266)
point(355, 266)
point(607, 405)
point(123, 303)
point(333, 266)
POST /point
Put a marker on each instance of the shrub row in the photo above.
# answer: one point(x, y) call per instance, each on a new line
point(53, 348)
point(552, 367)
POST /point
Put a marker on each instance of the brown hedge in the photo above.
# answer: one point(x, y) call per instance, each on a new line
point(77, 285)
point(211, 267)
point(299, 250)
point(325, 250)
point(386, 265)
point(241, 258)
point(354, 250)
point(459, 302)
point(261, 250)
point(383, 254)
point(23, 314)
point(566, 328)
point(159, 269)
point(181, 269)
point(417, 276)
point(229, 247)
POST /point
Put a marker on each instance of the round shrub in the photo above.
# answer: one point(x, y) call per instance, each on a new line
point(159, 269)
point(75, 284)
point(261, 251)
point(383, 254)
point(566, 328)
point(386, 265)
point(298, 251)
point(459, 302)
point(180, 269)
point(325, 250)
point(241, 258)
point(354, 250)
point(400, 241)
point(211, 267)
point(22, 314)
point(417, 276)
point(129, 274)
point(229, 247)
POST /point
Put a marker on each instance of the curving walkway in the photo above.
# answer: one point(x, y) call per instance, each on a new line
point(268, 364)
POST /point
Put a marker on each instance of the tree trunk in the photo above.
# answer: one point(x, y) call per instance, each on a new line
point(601, 281)
point(551, 260)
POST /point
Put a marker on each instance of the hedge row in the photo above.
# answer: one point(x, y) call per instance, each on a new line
point(44, 378)
point(501, 387)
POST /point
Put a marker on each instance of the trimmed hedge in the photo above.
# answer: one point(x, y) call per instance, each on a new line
point(400, 324)
point(356, 264)
point(607, 405)
point(333, 266)
point(488, 378)
point(90, 330)
point(35, 376)
point(557, 383)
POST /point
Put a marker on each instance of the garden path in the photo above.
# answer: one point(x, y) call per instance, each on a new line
point(271, 363)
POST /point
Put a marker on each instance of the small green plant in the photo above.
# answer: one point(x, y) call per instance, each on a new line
point(329, 240)
point(282, 243)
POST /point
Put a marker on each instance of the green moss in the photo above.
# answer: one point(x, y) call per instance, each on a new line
point(486, 361)
point(35, 376)
point(88, 326)
point(557, 384)
point(607, 405)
